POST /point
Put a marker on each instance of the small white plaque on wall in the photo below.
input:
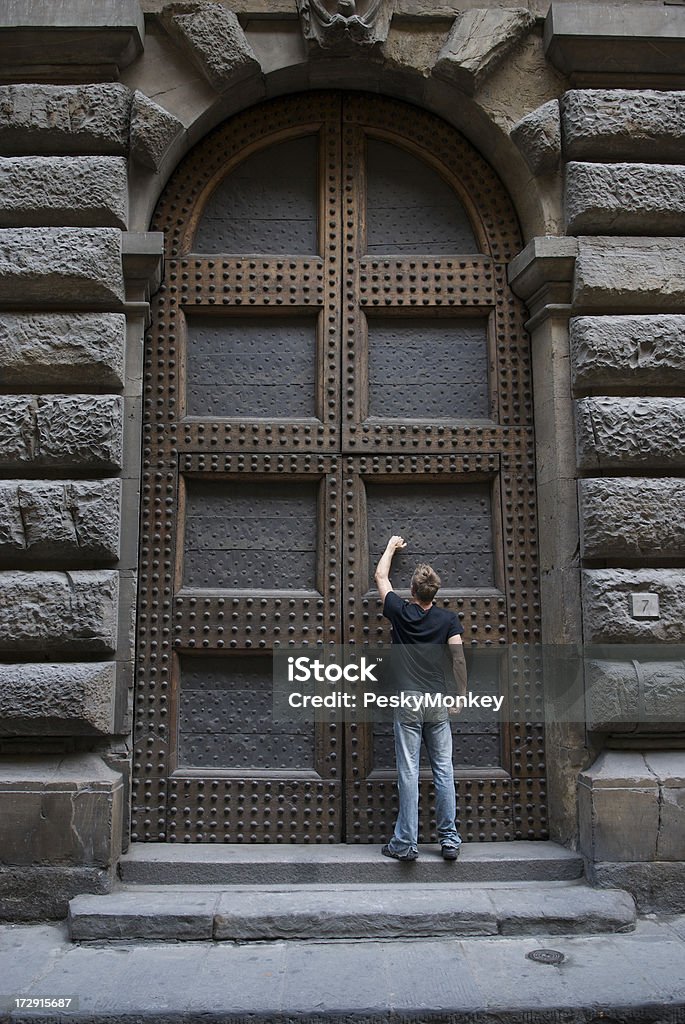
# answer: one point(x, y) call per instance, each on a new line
point(644, 606)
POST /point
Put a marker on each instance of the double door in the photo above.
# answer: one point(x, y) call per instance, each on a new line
point(335, 356)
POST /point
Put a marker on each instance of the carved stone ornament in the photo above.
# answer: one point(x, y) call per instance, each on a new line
point(343, 24)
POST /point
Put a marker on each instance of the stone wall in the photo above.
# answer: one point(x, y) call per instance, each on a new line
point(73, 305)
point(627, 346)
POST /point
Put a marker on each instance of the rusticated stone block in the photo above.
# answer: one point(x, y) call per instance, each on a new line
point(61, 699)
point(607, 608)
point(623, 124)
point(59, 611)
point(63, 190)
point(479, 41)
point(61, 430)
point(61, 266)
point(538, 137)
point(59, 810)
point(64, 118)
point(627, 433)
point(618, 806)
point(629, 274)
point(635, 696)
point(153, 129)
point(214, 40)
point(57, 349)
point(67, 519)
point(628, 351)
point(632, 518)
point(656, 886)
point(624, 198)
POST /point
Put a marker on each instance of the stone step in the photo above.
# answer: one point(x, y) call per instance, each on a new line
point(257, 913)
point(226, 864)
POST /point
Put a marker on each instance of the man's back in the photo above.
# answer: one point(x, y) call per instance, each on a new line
point(419, 636)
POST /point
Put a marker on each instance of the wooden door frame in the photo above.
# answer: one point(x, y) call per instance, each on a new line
point(506, 803)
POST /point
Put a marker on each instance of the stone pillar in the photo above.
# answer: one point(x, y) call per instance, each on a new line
point(74, 302)
point(542, 275)
point(624, 204)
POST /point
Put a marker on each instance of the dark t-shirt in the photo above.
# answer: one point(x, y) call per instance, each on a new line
point(419, 667)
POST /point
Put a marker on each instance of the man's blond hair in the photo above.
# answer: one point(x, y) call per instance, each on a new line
point(425, 583)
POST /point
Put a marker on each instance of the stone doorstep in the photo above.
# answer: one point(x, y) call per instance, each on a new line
point(244, 864)
point(258, 913)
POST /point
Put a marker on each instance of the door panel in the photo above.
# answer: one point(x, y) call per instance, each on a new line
point(335, 356)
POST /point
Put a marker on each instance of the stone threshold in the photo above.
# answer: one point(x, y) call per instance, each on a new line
point(247, 864)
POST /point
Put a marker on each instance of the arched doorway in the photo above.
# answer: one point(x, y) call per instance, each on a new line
point(335, 355)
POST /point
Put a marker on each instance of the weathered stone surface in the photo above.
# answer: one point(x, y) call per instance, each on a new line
point(618, 808)
point(60, 699)
point(480, 40)
point(64, 118)
point(669, 768)
point(628, 351)
point(623, 124)
point(59, 611)
point(59, 810)
point(57, 349)
point(37, 893)
point(143, 915)
point(60, 519)
point(621, 39)
point(538, 137)
point(634, 274)
point(624, 198)
point(630, 433)
point(620, 697)
point(69, 37)
point(63, 191)
point(632, 518)
point(352, 912)
point(214, 40)
point(61, 430)
point(657, 886)
point(153, 129)
point(61, 267)
point(607, 610)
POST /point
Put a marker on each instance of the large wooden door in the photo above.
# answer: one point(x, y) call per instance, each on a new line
point(335, 356)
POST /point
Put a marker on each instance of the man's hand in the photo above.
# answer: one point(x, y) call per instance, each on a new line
point(382, 574)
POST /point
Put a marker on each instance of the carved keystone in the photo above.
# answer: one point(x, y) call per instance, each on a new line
point(344, 24)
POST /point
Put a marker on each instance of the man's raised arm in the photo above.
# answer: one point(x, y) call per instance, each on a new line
point(456, 649)
point(382, 573)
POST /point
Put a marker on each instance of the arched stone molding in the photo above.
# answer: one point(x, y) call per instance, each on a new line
point(401, 69)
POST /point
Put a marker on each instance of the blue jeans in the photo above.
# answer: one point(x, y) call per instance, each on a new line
point(434, 726)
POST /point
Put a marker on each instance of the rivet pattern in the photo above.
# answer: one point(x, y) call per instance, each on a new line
point(345, 789)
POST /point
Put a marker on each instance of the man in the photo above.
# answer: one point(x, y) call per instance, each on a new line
point(419, 621)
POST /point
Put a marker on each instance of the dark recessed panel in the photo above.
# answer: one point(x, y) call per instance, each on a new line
point(470, 748)
point(251, 366)
point(447, 525)
point(225, 718)
point(250, 536)
point(428, 368)
point(268, 204)
point(410, 208)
